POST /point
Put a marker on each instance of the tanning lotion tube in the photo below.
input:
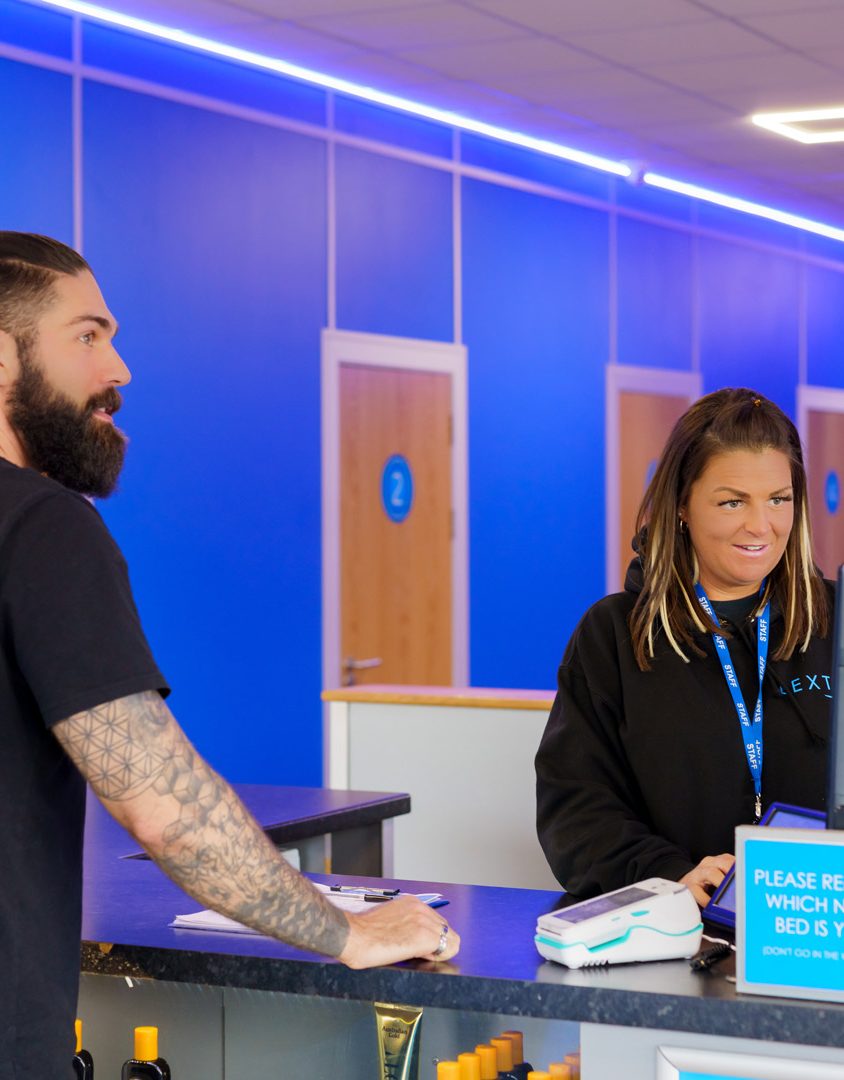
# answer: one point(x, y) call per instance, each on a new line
point(398, 1040)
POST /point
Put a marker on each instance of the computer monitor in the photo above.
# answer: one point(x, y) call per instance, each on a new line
point(835, 792)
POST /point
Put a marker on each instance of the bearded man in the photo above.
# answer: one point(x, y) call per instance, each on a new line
point(81, 697)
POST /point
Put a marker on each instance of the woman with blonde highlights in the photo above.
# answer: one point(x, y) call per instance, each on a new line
point(651, 757)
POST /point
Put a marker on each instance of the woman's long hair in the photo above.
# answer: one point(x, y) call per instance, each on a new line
point(729, 419)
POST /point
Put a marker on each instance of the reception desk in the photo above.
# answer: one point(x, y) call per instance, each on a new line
point(466, 758)
point(233, 1007)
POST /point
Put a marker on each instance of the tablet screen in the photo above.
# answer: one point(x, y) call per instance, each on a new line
point(722, 907)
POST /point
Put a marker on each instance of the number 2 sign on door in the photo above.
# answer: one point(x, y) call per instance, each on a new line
point(397, 488)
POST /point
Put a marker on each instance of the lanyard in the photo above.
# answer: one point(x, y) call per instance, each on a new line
point(751, 729)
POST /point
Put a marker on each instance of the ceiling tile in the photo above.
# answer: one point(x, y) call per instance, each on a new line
point(639, 111)
point(191, 15)
point(801, 28)
point(556, 17)
point(668, 43)
point(483, 62)
point(287, 41)
point(384, 72)
point(738, 9)
point(301, 9)
point(791, 95)
point(412, 27)
point(554, 87)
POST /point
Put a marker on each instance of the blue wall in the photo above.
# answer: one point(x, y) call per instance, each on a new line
point(207, 226)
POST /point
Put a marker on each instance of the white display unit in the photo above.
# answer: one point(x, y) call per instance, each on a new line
point(466, 757)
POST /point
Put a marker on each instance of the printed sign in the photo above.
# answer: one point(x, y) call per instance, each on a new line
point(790, 912)
point(397, 488)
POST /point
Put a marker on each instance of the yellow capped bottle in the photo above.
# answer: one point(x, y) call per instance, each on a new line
point(146, 1064)
point(83, 1063)
point(520, 1067)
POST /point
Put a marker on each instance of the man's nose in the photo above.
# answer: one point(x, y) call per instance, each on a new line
point(115, 370)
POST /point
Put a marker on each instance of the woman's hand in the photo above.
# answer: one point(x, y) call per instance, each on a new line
point(707, 876)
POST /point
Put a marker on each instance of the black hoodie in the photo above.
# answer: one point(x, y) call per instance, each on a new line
point(643, 773)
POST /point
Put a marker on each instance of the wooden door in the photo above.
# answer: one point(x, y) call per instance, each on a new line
point(645, 422)
point(825, 467)
point(396, 524)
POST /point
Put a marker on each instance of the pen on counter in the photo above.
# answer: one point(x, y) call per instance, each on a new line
point(387, 894)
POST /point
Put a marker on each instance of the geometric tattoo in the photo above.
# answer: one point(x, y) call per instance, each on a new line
point(142, 766)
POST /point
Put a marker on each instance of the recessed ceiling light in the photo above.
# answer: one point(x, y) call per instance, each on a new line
point(784, 123)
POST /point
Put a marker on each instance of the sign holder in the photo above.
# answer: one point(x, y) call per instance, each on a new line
point(790, 912)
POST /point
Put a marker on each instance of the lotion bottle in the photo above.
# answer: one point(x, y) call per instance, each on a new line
point(146, 1064)
point(520, 1067)
point(489, 1061)
point(470, 1066)
point(504, 1050)
point(83, 1063)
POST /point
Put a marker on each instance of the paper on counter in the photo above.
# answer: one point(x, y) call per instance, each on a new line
point(212, 920)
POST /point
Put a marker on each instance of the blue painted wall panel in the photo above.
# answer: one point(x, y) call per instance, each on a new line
point(530, 165)
point(394, 247)
point(825, 326)
point(38, 28)
point(200, 73)
point(36, 180)
point(757, 229)
point(654, 295)
point(749, 321)
point(369, 121)
point(650, 200)
point(535, 323)
point(210, 241)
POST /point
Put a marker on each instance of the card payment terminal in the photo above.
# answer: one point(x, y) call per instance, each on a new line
point(652, 920)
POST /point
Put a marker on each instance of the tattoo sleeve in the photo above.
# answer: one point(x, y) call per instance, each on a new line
point(142, 766)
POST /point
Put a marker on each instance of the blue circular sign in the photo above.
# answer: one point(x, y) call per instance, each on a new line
point(397, 488)
point(832, 491)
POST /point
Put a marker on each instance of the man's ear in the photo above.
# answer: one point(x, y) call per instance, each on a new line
point(9, 363)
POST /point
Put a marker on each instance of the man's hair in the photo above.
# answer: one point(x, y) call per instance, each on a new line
point(29, 266)
point(727, 420)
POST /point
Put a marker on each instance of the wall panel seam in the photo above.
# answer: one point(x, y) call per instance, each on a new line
point(254, 115)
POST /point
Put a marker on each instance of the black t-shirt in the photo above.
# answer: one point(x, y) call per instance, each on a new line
point(70, 639)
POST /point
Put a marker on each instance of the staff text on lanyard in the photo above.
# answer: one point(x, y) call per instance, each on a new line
point(751, 727)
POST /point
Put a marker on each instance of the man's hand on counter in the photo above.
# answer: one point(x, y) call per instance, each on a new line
point(403, 929)
point(190, 821)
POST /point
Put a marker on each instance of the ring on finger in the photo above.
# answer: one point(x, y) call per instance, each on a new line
point(440, 949)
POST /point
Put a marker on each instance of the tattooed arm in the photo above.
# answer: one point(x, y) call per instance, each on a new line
point(151, 779)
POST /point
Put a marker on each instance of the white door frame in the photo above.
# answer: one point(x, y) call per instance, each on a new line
point(620, 378)
point(823, 398)
point(410, 354)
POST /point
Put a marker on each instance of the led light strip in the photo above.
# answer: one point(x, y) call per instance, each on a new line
point(330, 82)
point(443, 116)
point(783, 124)
point(744, 206)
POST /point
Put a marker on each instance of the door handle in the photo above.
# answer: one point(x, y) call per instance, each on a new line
point(351, 665)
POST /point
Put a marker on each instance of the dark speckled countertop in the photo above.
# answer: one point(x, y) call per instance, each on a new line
point(129, 902)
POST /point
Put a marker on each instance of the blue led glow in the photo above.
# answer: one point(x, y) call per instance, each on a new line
point(444, 116)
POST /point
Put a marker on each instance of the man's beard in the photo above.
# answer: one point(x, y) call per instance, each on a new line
point(62, 439)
